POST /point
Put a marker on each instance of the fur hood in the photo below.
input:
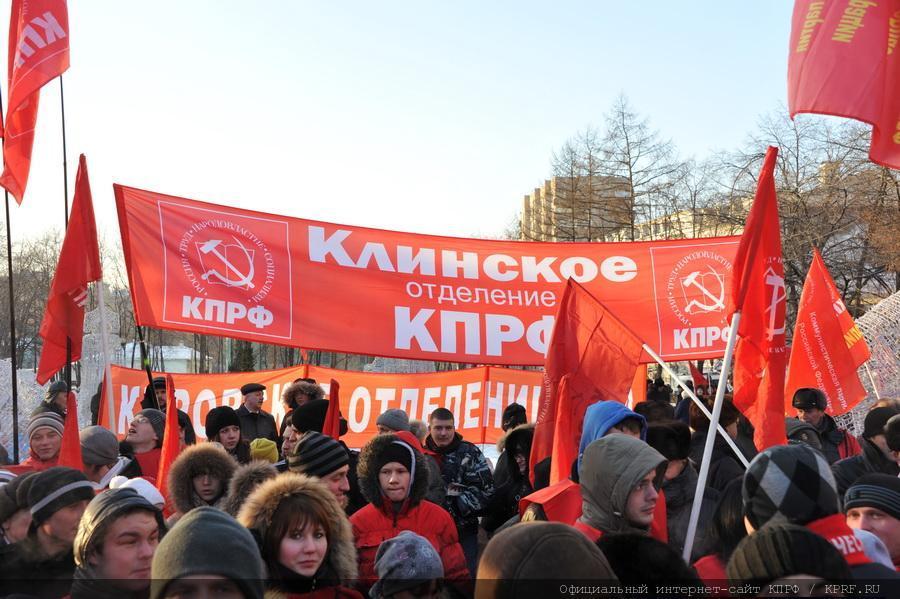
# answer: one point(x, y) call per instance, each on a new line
point(522, 429)
point(203, 458)
point(259, 508)
point(370, 463)
point(244, 481)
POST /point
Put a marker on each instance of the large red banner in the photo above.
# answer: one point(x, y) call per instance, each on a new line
point(213, 269)
point(476, 396)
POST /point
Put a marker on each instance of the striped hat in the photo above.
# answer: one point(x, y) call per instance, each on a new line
point(45, 420)
point(317, 455)
point(878, 490)
point(55, 488)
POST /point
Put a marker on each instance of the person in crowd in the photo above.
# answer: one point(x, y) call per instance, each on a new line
point(208, 554)
point(142, 487)
point(655, 411)
point(837, 443)
point(781, 552)
point(467, 478)
point(15, 517)
point(305, 538)
point(255, 422)
point(326, 459)
point(264, 450)
point(44, 432)
point(892, 436)
point(515, 451)
point(223, 426)
point(408, 566)
point(876, 456)
point(117, 536)
point(724, 466)
point(620, 478)
point(531, 560)
point(638, 559)
point(55, 401)
point(419, 429)
point(288, 442)
point(513, 416)
point(392, 421)
point(200, 477)
point(672, 439)
point(246, 479)
point(872, 503)
point(793, 484)
point(155, 397)
point(100, 455)
point(726, 529)
point(42, 564)
point(143, 444)
point(295, 395)
point(800, 431)
point(436, 493)
point(393, 479)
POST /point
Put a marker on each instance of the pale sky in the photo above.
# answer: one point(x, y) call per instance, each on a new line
point(416, 116)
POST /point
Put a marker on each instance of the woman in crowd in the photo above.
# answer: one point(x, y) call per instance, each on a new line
point(726, 530)
point(200, 477)
point(305, 537)
point(515, 448)
point(223, 426)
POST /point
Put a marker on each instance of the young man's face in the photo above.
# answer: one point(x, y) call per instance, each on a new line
point(127, 551)
point(16, 527)
point(441, 431)
point(641, 501)
point(880, 524)
point(229, 436)
point(45, 443)
point(140, 431)
point(63, 524)
point(339, 485)
point(253, 401)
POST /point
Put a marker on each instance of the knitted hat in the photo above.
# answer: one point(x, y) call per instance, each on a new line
point(807, 398)
point(157, 421)
point(57, 387)
point(876, 420)
point(310, 416)
point(264, 449)
point(780, 550)
point(252, 387)
point(892, 433)
point(99, 446)
point(220, 417)
point(208, 541)
point(876, 490)
point(317, 455)
point(40, 420)
point(99, 515)
point(9, 501)
point(405, 562)
point(672, 439)
point(55, 488)
point(394, 419)
point(399, 452)
point(789, 483)
point(513, 416)
point(141, 486)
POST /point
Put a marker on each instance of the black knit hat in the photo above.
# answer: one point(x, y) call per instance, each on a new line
point(399, 452)
point(892, 433)
point(317, 455)
point(876, 490)
point(807, 398)
point(55, 488)
point(672, 439)
point(220, 417)
point(513, 416)
point(310, 416)
point(780, 550)
point(252, 387)
point(876, 420)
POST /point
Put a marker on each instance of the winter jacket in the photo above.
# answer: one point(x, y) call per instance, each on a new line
point(514, 486)
point(723, 467)
point(33, 464)
point(468, 480)
point(679, 501)
point(355, 496)
point(245, 480)
point(255, 426)
point(203, 458)
point(24, 569)
point(338, 570)
point(379, 521)
point(143, 465)
point(837, 443)
point(872, 459)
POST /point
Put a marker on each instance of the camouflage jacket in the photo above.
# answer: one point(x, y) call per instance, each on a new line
point(468, 480)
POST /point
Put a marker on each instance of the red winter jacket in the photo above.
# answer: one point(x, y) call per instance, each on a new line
point(33, 464)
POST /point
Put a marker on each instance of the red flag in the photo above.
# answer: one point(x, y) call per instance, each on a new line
point(70, 449)
point(844, 62)
point(171, 442)
point(332, 426)
point(592, 356)
point(697, 376)
point(828, 346)
point(79, 264)
point(38, 52)
point(758, 293)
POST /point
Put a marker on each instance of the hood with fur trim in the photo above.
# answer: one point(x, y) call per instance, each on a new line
point(370, 462)
point(259, 508)
point(203, 458)
point(522, 429)
point(244, 481)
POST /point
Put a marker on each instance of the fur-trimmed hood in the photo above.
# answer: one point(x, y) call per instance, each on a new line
point(370, 462)
point(259, 508)
point(521, 430)
point(244, 481)
point(203, 458)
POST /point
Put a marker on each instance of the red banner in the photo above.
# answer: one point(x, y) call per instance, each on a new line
point(217, 270)
point(476, 396)
point(844, 61)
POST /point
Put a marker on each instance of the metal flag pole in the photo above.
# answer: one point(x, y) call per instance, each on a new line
point(62, 105)
point(868, 372)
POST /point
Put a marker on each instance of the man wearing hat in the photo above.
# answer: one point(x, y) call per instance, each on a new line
point(14, 515)
point(255, 422)
point(43, 563)
point(323, 457)
point(55, 402)
point(872, 503)
point(144, 443)
point(100, 455)
point(876, 456)
point(836, 443)
point(155, 397)
point(45, 431)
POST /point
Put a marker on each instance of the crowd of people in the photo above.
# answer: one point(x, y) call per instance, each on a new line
point(419, 511)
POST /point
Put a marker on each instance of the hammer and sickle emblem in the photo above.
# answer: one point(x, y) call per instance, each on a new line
point(242, 280)
point(776, 282)
point(717, 301)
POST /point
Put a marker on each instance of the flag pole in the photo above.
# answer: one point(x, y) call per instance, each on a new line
point(703, 475)
point(62, 105)
point(737, 452)
point(104, 351)
point(868, 371)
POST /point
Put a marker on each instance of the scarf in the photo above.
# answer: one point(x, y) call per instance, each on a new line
point(834, 528)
